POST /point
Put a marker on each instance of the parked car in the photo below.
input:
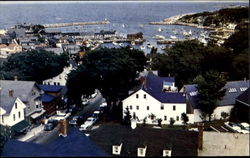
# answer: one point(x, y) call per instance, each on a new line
point(96, 114)
point(50, 125)
point(85, 101)
point(75, 120)
point(244, 127)
point(88, 123)
point(94, 95)
point(232, 126)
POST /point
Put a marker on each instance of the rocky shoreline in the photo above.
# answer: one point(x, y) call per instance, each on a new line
point(174, 20)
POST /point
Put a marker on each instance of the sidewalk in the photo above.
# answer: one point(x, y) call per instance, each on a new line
point(33, 132)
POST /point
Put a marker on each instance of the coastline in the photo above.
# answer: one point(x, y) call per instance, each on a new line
point(174, 20)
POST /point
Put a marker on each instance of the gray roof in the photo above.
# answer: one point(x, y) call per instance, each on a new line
point(233, 90)
point(21, 91)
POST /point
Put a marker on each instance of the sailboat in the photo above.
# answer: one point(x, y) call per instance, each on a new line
point(160, 29)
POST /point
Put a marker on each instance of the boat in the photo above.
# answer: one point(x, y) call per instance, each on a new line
point(123, 25)
point(149, 45)
point(142, 47)
point(141, 25)
point(190, 32)
point(185, 33)
point(163, 47)
point(133, 43)
point(175, 32)
point(121, 44)
point(114, 43)
point(173, 37)
point(159, 37)
point(160, 29)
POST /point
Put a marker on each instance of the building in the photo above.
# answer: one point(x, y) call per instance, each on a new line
point(241, 110)
point(28, 92)
point(156, 100)
point(12, 48)
point(60, 79)
point(135, 36)
point(233, 90)
point(105, 34)
point(118, 140)
point(76, 144)
point(51, 98)
point(12, 112)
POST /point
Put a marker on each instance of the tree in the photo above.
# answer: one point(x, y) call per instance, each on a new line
point(34, 65)
point(127, 117)
point(184, 118)
point(112, 71)
point(210, 90)
point(159, 122)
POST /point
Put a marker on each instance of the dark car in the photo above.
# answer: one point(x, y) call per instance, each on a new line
point(76, 120)
point(51, 124)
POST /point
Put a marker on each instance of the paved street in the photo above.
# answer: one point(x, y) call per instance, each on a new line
point(45, 137)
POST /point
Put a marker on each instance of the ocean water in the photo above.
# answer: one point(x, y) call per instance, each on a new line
point(125, 17)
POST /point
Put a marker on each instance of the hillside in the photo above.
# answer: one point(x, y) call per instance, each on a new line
point(221, 18)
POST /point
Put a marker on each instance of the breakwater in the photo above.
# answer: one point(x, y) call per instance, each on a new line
point(75, 24)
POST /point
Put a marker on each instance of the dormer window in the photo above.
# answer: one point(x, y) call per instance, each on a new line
point(141, 151)
point(167, 153)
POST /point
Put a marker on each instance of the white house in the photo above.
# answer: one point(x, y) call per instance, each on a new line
point(60, 79)
point(152, 102)
point(12, 111)
point(233, 90)
point(26, 91)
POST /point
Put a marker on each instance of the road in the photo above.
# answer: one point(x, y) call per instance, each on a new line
point(46, 137)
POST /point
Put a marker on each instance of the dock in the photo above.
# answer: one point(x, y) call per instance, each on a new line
point(75, 24)
point(169, 41)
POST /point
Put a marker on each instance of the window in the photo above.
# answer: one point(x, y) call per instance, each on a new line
point(131, 107)
point(147, 107)
point(141, 151)
point(55, 83)
point(177, 118)
point(137, 95)
point(2, 119)
point(137, 107)
point(145, 96)
point(162, 107)
point(174, 108)
point(16, 105)
point(37, 106)
point(14, 117)
point(116, 149)
point(165, 118)
point(19, 114)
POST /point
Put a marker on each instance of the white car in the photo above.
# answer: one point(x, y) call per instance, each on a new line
point(96, 114)
point(104, 104)
point(245, 125)
point(232, 126)
point(88, 123)
point(85, 101)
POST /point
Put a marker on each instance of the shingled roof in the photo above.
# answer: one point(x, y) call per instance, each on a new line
point(154, 86)
point(21, 90)
point(244, 97)
point(183, 142)
point(233, 90)
point(76, 144)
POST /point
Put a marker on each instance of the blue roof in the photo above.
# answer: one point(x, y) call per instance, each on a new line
point(154, 86)
point(244, 97)
point(234, 89)
point(76, 144)
point(50, 88)
point(47, 98)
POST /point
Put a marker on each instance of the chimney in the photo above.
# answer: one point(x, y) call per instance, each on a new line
point(63, 128)
point(200, 136)
point(11, 91)
point(15, 78)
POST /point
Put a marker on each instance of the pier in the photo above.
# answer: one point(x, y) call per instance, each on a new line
point(75, 24)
